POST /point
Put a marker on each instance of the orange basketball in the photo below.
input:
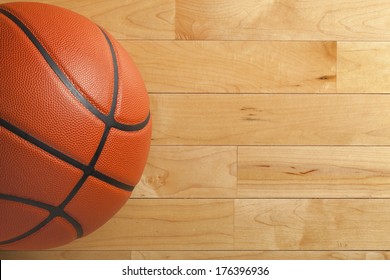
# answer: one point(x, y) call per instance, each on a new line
point(75, 126)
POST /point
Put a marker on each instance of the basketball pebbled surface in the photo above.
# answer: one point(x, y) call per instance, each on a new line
point(75, 126)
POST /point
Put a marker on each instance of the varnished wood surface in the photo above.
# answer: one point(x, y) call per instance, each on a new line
point(283, 20)
point(184, 172)
point(244, 224)
point(271, 131)
point(363, 67)
point(271, 119)
point(236, 66)
point(313, 172)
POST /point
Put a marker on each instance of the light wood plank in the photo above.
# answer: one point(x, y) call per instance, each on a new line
point(260, 255)
point(315, 171)
point(312, 224)
point(189, 172)
point(126, 19)
point(283, 20)
point(244, 224)
point(165, 224)
point(250, 119)
point(233, 67)
point(363, 67)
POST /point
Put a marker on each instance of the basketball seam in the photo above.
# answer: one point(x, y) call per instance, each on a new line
point(67, 82)
point(50, 54)
point(88, 171)
point(56, 153)
point(108, 120)
point(53, 212)
point(108, 124)
point(54, 66)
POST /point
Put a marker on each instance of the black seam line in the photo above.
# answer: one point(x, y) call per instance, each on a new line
point(53, 212)
point(108, 123)
point(113, 104)
point(134, 127)
point(112, 181)
point(59, 155)
point(112, 122)
point(100, 147)
point(115, 65)
point(75, 189)
point(41, 144)
point(90, 168)
point(64, 79)
point(111, 115)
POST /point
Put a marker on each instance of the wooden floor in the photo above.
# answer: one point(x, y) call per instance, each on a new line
point(271, 135)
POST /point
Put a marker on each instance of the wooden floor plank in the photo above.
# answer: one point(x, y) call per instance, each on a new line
point(363, 67)
point(244, 224)
point(234, 67)
point(250, 119)
point(126, 19)
point(165, 224)
point(260, 255)
point(312, 224)
point(314, 171)
point(282, 20)
point(189, 172)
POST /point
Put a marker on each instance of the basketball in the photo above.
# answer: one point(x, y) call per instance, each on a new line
point(75, 127)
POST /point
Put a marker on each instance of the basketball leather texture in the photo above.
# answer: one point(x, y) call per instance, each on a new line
point(75, 126)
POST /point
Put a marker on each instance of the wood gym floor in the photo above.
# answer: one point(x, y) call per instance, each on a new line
point(271, 135)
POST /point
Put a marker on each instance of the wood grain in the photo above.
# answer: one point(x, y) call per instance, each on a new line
point(315, 171)
point(165, 224)
point(126, 19)
point(282, 20)
point(244, 224)
point(234, 67)
point(311, 224)
point(250, 119)
point(260, 255)
point(189, 172)
point(363, 67)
